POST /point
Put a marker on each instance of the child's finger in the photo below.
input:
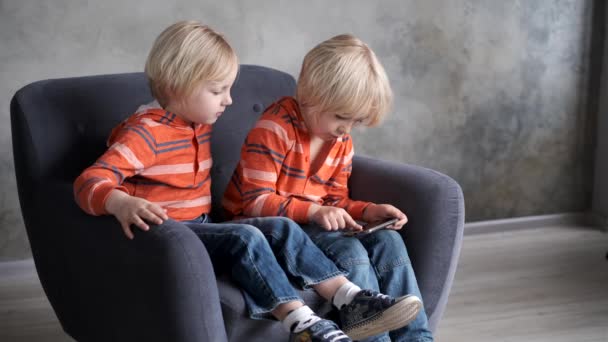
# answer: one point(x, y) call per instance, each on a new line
point(394, 212)
point(333, 223)
point(159, 211)
point(351, 223)
point(402, 217)
point(127, 230)
point(325, 224)
point(341, 222)
point(152, 216)
point(140, 223)
point(400, 223)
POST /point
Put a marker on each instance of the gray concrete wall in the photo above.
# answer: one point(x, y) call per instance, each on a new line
point(492, 93)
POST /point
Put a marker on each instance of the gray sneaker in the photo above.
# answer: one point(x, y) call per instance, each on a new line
point(321, 331)
point(371, 313)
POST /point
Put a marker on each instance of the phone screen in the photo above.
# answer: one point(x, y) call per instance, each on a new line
point(372, 227)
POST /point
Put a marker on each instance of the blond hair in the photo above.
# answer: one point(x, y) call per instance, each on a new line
point(342, 75)
point(185, 54)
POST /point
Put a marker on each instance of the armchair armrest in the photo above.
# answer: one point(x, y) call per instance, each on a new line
point(160, 286)
point(434, 205)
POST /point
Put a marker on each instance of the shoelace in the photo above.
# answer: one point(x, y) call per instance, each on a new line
point(385, 300)
point(339, 336)
point(299, 326)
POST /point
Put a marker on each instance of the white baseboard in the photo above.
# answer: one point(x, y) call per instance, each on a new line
point(578, 219)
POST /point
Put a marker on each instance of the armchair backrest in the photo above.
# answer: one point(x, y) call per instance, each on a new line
point(60, 126)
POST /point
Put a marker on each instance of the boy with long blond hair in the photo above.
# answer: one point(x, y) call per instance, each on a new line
point(297, 160)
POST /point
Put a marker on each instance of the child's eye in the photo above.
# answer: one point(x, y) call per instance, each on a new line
point(340, 117)
point(216, 92)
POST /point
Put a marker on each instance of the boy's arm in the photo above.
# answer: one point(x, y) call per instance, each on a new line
point(262, 158)
point(128, 155)
point(338, 194)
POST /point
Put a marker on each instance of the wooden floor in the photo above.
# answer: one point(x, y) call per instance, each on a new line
point(546, 284)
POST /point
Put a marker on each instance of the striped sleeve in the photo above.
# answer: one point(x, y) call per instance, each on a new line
point(337, 190)
point(129, 154)
point(262, 158)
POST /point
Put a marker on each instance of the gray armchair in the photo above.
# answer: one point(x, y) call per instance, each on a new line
point(161, 286)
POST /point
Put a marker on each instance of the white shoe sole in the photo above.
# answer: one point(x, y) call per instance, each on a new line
point(399, 315)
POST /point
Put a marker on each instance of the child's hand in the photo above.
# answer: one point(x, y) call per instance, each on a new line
point(377, 212)
point(332, 218)
point(130, 210)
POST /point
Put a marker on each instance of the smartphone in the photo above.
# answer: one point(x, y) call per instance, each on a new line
point(372, 227)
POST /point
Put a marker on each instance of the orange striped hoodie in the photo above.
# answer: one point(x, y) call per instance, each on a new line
point(274, 177)
point(154, 155)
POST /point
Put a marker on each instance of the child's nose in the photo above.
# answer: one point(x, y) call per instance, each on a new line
point(228, 100)
point(347, 128)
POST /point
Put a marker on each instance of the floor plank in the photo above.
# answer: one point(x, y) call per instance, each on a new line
point(545, 284)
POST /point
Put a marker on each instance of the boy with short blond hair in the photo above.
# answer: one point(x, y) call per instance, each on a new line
point(297, 160)
point(157, 172)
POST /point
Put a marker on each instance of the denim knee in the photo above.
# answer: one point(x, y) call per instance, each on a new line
point(283, 228)
point(390, 238)
point(348, 252)
point(251, 236)
point(387, 250)
point(285, 221)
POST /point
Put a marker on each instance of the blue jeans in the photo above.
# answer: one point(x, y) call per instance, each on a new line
point(265, 255)
point(378, 261)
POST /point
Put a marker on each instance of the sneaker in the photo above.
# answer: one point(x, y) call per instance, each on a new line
point(322, 331)
point(371, 313)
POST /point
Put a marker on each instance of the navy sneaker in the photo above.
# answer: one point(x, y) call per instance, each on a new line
point(322, 331)
point(371, 313)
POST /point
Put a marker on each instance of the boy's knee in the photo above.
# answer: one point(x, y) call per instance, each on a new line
point(286, 224)
point(284, 228)
point(389, 251)
point(390, 239)
point(285, 220)
point(350, 246)
point(250, 233)
point(347, 252)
